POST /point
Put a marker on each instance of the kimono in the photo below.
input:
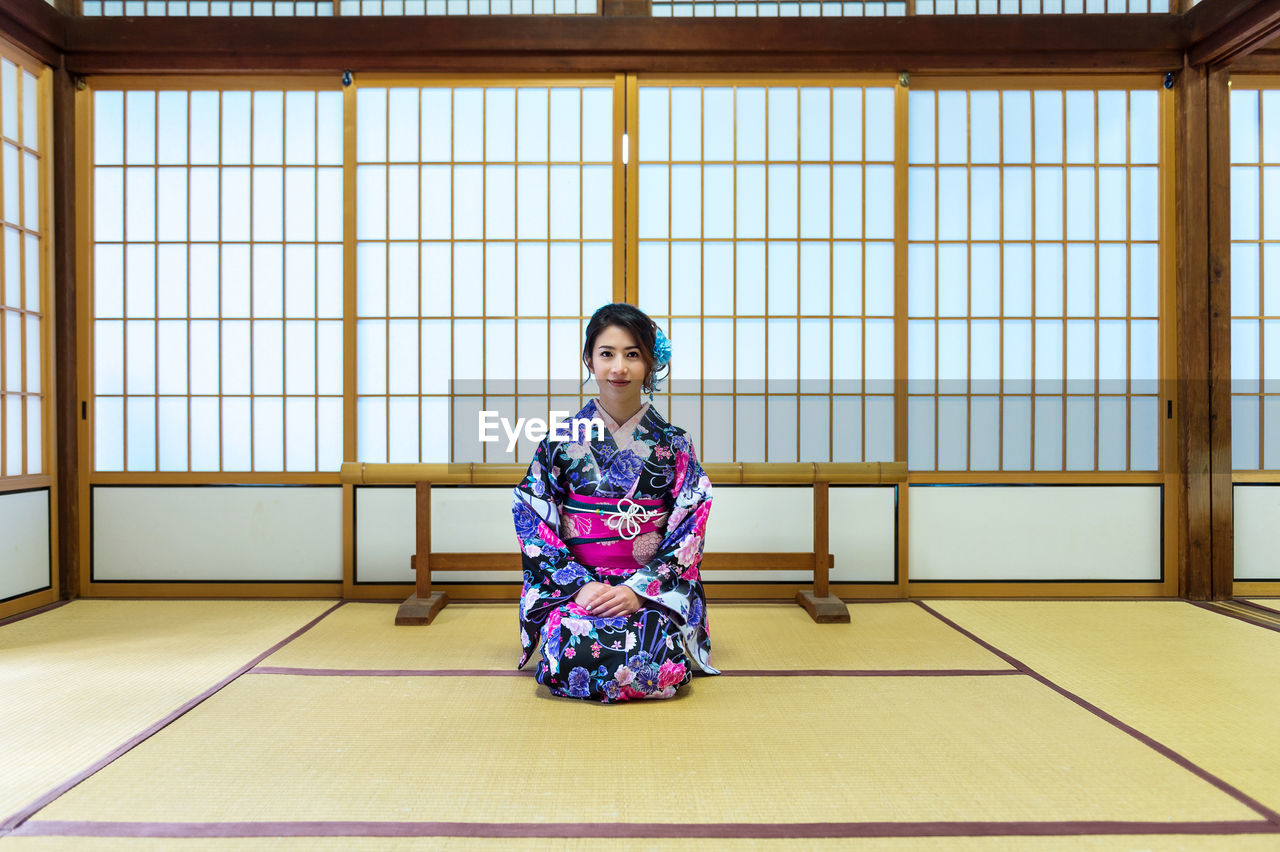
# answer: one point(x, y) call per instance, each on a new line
point(629, 508)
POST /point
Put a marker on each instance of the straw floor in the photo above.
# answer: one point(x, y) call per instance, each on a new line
point(966, 725)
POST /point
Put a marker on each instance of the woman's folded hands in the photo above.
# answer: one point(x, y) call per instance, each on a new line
point(605, 601)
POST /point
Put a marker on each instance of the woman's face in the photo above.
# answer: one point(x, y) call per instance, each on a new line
point(619, 369)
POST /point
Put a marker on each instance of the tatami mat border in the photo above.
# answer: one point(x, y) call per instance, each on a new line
point(310, 672)
point(1254, 602)
point(40, 610)
point(1270, 815)
point(721, 830)
point(1211, 608)
point(17, 819)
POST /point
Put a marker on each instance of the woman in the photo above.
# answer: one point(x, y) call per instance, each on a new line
point(611, 528)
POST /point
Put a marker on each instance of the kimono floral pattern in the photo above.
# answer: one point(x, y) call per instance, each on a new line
point(649, 653)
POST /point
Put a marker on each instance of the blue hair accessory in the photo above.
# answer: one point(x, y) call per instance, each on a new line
point(661, 354)
point(661, 349)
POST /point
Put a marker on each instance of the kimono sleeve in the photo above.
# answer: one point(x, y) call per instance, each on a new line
point(671, 577)
point(551, 576)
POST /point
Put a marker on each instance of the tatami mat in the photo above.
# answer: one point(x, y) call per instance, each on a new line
point(79, 680)
point(743, 636)
point(1089, 843)
point(499, 749)
point(1203, 684)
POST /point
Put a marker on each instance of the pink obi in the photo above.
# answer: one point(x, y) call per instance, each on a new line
point(614, 535)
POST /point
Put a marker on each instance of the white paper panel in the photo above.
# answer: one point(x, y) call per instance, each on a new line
point(217, 533)
point(24, 543)
point(463, 520)
point(862, 533)
point(747, 519)
point(1257, 514)
point(1011, 533)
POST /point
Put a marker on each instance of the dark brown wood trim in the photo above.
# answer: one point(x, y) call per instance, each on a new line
point(1220, 31)
point(36, 27)
point(422, 531)
point(1262, 61)
point(66, 408)
point(1203, 19)
point(1092, 43)
point(1218, 238)
point(625, 36)
point(1202, 164)
point(821, 536)
point(1192, 312)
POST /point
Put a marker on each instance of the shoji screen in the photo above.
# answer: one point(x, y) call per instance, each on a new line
point(775, 9)
point(1255, 278)
point(26, 483)
point(216, 305)
point(327, 8)
point(485, 227)
point(22, 304)
point(766, 246)
point(1034, 279)
point(879, 8)
point(204, 8)
point(217, 280)
point(1255, 323)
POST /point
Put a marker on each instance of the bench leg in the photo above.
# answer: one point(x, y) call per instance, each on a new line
point(825, 610)
point(417, 610)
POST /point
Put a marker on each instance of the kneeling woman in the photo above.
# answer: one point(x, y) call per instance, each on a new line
point(611, 532)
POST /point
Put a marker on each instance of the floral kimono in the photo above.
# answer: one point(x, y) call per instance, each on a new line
point(628, 508)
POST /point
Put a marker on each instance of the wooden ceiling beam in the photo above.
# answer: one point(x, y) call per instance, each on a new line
point(34, 26)
point(594, 43)
point(1221, 31)
point(1263, 61)
point(1214, 32)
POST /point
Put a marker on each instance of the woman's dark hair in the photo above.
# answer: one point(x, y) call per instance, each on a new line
point(632, 320)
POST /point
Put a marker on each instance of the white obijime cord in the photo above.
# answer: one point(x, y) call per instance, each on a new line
point(628, 520)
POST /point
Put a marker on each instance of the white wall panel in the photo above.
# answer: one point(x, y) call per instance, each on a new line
point(862, 537)
point(746, 519)
point(1257, 514)
point(463, 520)
point(1011, 533)
point(24, 542)
point(217, 533)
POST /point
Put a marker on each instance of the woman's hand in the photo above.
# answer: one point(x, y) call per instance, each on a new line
point(605, 601)
point(586, 595)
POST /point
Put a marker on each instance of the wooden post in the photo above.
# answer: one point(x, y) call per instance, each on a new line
point(1206, 553)
point(821, 534)
point(1221, 520)
point(65, 409)
point(421, 607)
point(1191, 162)
point(822, 606)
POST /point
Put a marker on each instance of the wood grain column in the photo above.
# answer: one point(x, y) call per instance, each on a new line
point(66, 405)
point(1205, 546)
point(1219, 256)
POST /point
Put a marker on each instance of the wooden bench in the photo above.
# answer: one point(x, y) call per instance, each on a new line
point(822, 606)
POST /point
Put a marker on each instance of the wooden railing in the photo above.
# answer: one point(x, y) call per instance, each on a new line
point(822, 606)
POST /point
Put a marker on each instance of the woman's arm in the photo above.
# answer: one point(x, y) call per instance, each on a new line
point(669, 577)
point(551, 576)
